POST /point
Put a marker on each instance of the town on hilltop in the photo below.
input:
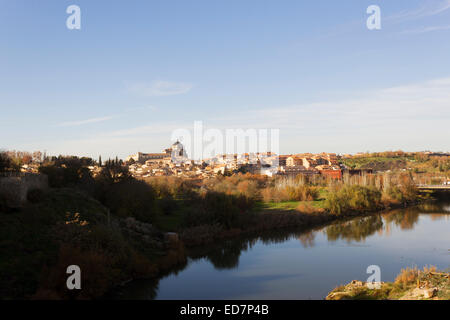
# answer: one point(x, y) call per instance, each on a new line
point(174, 161)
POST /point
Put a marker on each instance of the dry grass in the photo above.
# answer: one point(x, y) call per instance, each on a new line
point(411, 275)
point(407, 276)
point(309, 208)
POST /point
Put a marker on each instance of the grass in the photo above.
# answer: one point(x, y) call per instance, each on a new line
point(288, 205)
point(169, 223)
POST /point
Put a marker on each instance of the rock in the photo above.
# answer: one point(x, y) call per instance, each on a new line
point(429, 293)
point(374, 285)
point(171, 238)
point(356, 283)
point(140, 227)
point(338, 296)
point(426, 293)
point(130, 222)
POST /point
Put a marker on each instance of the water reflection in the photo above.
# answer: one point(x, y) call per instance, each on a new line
point(226, 256)
point(405, 218)
point(307, 239)
point(355, 230)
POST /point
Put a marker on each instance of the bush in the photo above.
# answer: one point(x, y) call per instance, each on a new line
point(308, 208)
point(172, 187)
point(407, 276)
point(249, 189)
point(5, 162)
point(353, 198)
point(3, 203)
point(35, 195)
point(130, 198)
point(212, 208)
point(168, 205)
point(404, 191)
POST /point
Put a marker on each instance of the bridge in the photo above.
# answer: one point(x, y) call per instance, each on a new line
point(433, 187)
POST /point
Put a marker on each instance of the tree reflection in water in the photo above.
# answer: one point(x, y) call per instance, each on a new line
point(307, 239)
point(354, 230)
point(227, 256)
point(404, 218)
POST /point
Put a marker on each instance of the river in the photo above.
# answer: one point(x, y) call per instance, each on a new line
point(307, 264)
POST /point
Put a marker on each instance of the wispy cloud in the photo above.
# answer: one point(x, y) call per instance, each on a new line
point(161, 88)
point(83, 122)
point(425, 30)
point(412, 102)
point(428, 9)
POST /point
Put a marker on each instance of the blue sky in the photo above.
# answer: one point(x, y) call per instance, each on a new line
point(138, 70)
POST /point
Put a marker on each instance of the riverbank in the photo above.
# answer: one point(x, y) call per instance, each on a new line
point(269, 218)
point(410, 284)
point(265, 220)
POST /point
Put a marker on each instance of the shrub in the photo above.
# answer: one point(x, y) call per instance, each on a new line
point(213, 208)
point(172, 187)
point(404, 191)
point(35, 195)
point(130, 198)
point(249, 189)
point(407, 276)
point(167, 205)
point(352, 198)
point(3, 203)
point(308, 208)
point(5, 162)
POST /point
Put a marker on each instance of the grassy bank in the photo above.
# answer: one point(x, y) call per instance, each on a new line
point(410, 284)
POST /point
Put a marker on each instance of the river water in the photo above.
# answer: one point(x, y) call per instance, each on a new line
point(308, 264)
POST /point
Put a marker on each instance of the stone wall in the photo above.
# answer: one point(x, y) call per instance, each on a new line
point(14, 188)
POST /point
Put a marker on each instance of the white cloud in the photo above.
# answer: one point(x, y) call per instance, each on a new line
point(161, 88)
point(82, 122)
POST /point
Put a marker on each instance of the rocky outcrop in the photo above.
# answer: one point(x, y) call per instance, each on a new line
point(349, 291)
point(429, 286)
point(142, 231)
point(14, 188)
point(171, 239)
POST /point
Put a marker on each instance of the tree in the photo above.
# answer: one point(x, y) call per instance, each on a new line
point(112, 173)
point(5, 162)
point(37, 156)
